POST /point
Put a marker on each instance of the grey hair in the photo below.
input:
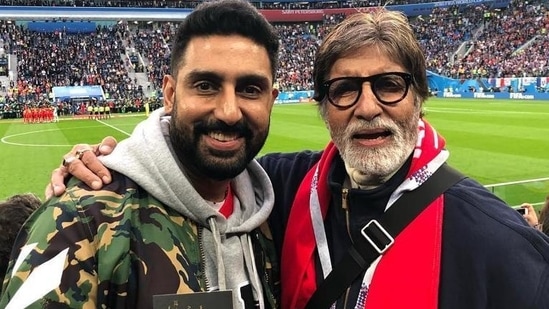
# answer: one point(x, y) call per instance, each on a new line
point(389, 31)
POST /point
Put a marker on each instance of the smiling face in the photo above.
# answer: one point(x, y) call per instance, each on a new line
point(220, 102)
point(374, 138)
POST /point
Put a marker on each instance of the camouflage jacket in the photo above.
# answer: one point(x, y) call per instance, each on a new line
point(115, 248)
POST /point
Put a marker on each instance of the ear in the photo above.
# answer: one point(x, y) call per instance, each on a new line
point(274, 95)
point(168, 90)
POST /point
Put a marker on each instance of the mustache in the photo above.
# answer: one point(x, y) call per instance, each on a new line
point(388, 125)
point(241, 128)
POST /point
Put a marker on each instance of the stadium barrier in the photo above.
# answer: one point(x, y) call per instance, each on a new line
point(495, 95)
point(62, 26)
point(514, 193)
point(307, 96)
point(294, 96)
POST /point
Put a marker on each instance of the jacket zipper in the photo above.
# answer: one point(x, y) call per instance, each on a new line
point(345, 206)
point(203, 258)
point(268, 292)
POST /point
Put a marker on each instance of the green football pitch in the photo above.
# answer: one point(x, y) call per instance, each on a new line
point(502, 144)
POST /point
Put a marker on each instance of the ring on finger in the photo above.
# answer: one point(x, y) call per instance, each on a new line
point(68, 159)
point(80, 153)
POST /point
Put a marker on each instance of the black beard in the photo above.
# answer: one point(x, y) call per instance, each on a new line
point(211, 163)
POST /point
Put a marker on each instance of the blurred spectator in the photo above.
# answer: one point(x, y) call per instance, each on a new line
point(13, 213)
point(544, 216)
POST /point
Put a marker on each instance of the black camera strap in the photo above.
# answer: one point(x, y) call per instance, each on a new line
point(379, 235)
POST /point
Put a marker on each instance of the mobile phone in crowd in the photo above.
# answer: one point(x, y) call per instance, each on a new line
point(522, 210)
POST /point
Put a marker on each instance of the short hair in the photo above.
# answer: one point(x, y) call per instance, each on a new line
point(225, 17)
point(13, 213)
point(544, 216)
point(387, 30)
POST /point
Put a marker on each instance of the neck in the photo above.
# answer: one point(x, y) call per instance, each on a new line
point(210, 189)
point(361, 180)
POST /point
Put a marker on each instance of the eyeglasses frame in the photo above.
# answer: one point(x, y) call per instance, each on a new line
point(407, 77)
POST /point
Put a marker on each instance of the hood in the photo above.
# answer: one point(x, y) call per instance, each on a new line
point(147, 158)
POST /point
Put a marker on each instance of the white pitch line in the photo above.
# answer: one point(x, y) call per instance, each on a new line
point(113, 127)
point(478, 111)
point(518, 182)
point(5, 138)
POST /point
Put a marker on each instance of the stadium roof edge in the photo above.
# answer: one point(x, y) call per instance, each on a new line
point(92, 13)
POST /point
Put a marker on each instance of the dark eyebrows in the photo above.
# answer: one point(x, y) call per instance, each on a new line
point(247, 79)
point(254, 79)
point(195, 76)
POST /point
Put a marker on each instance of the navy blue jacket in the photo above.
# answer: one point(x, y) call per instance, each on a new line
point(491, 258)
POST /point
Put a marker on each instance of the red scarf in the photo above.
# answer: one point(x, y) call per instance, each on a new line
point(408, 273)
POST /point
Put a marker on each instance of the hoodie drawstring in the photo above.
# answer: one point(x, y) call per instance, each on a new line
point(249, 260)
point(218, 254)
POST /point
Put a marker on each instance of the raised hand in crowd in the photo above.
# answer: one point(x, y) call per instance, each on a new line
point(530, 215)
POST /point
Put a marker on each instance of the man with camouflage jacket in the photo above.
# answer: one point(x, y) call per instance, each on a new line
point(185, 211)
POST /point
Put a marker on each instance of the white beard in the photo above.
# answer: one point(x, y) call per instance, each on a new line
point(373, 166)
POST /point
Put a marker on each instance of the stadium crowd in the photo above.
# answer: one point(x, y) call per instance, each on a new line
point(512, 43)
point(467, 41)
point(192, 4)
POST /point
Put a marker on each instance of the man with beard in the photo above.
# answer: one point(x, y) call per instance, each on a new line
point(466, 249)
point(187, 206)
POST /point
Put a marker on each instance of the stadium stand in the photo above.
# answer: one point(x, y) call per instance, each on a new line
point(474, 47)
point(191, 4)
point(504, 47)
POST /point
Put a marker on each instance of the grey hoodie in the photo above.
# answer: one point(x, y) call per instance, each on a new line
point(146, 158)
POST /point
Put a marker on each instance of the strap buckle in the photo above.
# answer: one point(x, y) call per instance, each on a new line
point(377, 236)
